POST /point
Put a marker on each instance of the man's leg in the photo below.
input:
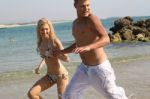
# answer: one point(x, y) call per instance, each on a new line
point(77, 84)
point(105, 82)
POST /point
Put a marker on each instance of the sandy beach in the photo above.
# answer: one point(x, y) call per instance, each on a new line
point(133, 75)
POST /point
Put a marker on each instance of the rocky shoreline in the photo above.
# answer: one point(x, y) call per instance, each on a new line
point(126, 29)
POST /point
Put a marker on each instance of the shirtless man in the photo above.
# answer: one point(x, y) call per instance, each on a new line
point(95, 69)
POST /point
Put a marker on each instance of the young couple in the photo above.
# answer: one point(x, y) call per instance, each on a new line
point(95, 69)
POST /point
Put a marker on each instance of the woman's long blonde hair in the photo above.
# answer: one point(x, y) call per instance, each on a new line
point(52, 35)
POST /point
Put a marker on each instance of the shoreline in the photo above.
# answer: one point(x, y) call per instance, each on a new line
point(74, 63)
point(132, 75)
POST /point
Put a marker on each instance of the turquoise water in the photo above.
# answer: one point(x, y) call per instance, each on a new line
point(18, 46)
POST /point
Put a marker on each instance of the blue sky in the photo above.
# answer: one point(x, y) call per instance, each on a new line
point(12, 11)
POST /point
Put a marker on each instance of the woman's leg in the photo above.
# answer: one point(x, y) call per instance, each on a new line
point(61, 85)
point(38, 87)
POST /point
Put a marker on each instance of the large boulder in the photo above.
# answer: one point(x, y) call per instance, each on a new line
point(126, 29)
point(126, 34)
point(120, 23)
point(140, 23)
point(115, 38)
point(140, 37)
point(147, 22)
point(137, 30)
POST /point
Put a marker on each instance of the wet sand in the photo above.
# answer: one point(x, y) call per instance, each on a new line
point(133, 75)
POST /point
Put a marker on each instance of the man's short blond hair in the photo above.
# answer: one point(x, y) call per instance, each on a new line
point(75, 1)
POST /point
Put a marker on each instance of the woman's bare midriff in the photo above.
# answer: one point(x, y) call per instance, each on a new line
point(54, 66)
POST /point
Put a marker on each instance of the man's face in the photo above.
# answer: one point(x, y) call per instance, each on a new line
point(83, 8)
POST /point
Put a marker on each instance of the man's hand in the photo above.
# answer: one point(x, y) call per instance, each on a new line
point(81, 49)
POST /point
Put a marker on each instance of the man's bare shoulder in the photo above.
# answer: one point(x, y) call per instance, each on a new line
point(91, 16)
point(93, 19)
point(74, 21)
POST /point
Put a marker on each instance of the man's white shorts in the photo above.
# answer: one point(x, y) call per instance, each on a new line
point(101, 77)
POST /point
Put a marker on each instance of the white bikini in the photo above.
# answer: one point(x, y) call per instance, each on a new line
point(49, 51)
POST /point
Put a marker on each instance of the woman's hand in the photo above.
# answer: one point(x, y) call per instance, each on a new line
point(36, 71)
point(57, 53)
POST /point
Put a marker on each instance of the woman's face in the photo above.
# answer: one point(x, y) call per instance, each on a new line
point(44, 31)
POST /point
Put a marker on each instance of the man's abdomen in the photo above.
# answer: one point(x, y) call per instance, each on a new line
point(93, 57)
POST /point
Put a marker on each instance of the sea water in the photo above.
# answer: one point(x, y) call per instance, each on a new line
point(18, 46)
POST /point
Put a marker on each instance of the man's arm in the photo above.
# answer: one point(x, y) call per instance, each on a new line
point(69, 49)
point(99, 29)
point(62, 56)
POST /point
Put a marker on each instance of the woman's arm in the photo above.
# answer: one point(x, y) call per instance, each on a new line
point(39, 66)
point(61, 56)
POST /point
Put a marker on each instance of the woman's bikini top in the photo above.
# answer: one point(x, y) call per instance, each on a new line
point(49, 51)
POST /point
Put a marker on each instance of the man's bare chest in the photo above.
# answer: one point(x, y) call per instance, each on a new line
point(81, 30)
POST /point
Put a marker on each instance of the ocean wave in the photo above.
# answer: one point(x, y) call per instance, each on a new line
point(4, 76)
point(129, 58)
point(28, 73)
point(14, 25)
point(66, 43)
point(3, 26)
point(62, 21)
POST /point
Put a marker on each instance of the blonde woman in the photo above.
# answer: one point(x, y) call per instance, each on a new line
point(47, 42)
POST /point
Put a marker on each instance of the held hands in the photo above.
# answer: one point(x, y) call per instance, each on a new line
point(78, 50)
point(57, 53)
